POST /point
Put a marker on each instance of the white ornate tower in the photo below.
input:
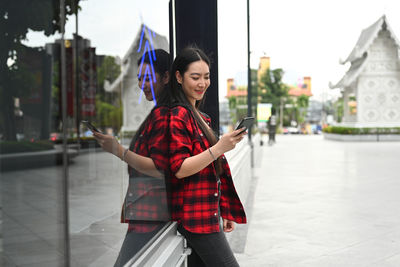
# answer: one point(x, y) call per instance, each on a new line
point(371, 87)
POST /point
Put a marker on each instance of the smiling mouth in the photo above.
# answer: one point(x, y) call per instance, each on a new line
point(199, 91)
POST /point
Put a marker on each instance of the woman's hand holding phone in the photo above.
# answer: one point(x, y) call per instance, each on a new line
point(246, 122)
point(109, 144)
point(90, 126)
point(229, 140)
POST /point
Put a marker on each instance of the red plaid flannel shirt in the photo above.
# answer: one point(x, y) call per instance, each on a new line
point(194, 201)
point(145, 206)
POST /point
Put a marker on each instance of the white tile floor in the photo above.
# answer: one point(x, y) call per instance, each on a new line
point(325, 203)
point(313, 203)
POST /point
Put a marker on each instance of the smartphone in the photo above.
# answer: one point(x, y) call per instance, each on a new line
point(245, 122)
point(91, 126)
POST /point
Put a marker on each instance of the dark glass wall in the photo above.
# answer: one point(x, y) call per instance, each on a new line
point(61, 194)
point(33, 200)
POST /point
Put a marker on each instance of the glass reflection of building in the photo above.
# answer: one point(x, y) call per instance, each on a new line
point(56, 213)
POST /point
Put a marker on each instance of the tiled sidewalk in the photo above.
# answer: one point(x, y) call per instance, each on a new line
point(324, 203)
point(33, 225)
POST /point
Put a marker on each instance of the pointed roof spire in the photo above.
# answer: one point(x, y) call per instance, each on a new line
point(367, 37)
point(358, 55)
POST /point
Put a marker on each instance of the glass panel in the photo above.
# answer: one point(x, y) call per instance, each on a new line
point(232, 60)
point(32, 175)
point(111, 39)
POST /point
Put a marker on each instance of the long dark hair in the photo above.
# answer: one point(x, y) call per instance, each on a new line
point(175, 96)
point(160, 59)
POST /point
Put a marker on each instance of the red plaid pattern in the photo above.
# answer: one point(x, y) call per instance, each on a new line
point(145, 205)
point(194, 201)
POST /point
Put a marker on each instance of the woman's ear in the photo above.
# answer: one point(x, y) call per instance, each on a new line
point(165, 78)
point(178, 77)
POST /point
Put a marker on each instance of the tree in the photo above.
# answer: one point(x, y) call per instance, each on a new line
point(338, 106)
point(108, 115)
point(108, 111)
point(108, 70)
point(254, 91)
point(301, 108)
point(271, 89)
point(16, 18)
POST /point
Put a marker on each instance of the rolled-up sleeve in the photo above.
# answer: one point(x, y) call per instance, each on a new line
point(180, 145)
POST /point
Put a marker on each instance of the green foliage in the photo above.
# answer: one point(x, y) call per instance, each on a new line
point(301, 108)
point(108, 115)
point(108, 105)
point(361, 131)
point(254, 91)
point(338, 107)
point(232, 108)
point(302, 101)
point(240, 113)
point(232, 102)
point(108, 70)
point(271, 88)
point(236, 104)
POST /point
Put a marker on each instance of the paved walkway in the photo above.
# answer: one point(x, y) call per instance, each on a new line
point(313, 203)
point(325, 203)
point(33, 225)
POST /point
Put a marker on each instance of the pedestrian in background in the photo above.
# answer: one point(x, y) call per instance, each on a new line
point(272, 127)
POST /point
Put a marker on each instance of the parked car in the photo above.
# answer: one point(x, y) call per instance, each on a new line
point(55, 136)
point(291, 130)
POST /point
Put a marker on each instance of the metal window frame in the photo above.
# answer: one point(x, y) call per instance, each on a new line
point(165, 249)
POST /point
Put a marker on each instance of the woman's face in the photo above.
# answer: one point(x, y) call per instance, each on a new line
point(195, 80)
point(147, 82)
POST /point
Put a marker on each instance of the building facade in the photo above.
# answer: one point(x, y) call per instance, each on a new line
point(371, 86)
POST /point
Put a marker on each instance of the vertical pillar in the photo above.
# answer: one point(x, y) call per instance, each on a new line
point(63, 60)
point(196, 23)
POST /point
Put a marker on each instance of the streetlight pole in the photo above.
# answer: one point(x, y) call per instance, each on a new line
point(63, 59)
point(249, 110)
point(77, 66)
point(281, 113)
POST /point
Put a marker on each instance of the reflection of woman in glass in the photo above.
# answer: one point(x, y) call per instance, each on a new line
point(145, 206)
point(201, 184)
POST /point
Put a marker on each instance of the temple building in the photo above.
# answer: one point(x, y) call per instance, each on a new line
point(135, 106)
point(371, 86)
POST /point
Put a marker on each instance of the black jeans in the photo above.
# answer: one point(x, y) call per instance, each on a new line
point(211, 250)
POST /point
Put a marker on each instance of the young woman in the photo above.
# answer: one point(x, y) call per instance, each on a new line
point(202, 189)
point(145, 206)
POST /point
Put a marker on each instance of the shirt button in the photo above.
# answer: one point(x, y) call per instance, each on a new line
point(223, 157)
point(216, 194)
point(215, 214)
point(201, 134)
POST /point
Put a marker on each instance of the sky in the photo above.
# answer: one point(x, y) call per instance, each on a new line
point(303, 37)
